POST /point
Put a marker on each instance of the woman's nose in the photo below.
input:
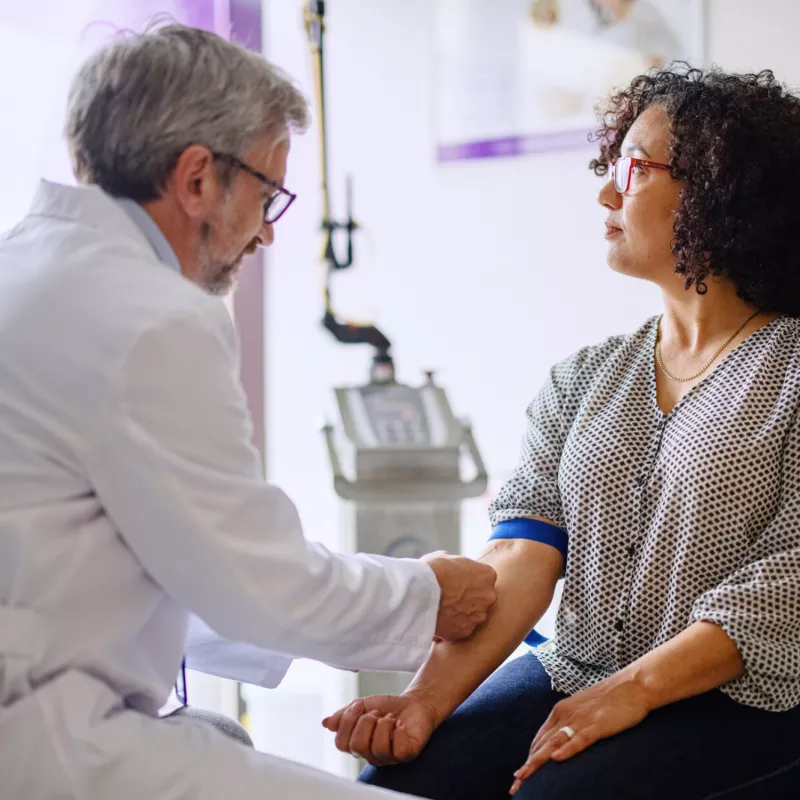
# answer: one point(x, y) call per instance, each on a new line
point(608, 196)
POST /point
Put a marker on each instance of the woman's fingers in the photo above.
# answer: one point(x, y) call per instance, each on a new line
point(347, 722)
point(361, 737)
point(539, 755)
point(382, 742)
point(332, 722)
point(404, 748)
point(580, 741)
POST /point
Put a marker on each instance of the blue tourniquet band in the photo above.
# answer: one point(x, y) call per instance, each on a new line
point(536, 531)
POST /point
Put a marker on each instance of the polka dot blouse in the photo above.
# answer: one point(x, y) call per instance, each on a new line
point(670, 519)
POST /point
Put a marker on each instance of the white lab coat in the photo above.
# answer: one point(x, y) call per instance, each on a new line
point(207, 651)
point(132, 496)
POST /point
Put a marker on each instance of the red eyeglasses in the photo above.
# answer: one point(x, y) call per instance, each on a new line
point(622, 169)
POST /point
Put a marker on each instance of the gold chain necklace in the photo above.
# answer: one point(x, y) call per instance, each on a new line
point(710, 360)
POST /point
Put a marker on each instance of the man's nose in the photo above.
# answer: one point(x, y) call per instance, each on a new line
point(267, 235)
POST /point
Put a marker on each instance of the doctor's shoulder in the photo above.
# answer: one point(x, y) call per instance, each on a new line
point(159, 312)
point(123, 304)
point(9, 233)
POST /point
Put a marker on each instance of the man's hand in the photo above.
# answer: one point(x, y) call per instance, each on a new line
point(383, 729)
point(467, 594)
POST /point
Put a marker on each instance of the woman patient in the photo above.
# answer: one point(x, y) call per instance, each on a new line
point(660, 476)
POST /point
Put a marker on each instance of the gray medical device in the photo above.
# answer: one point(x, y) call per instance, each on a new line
point(407, 488)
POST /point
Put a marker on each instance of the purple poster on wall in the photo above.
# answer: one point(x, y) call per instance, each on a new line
point(516, 77)
point(245, 23)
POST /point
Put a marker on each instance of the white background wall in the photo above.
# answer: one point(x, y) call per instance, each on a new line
point(487, 272)
point(750, 36)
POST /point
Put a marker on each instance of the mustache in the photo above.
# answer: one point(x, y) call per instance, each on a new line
point(250, 249)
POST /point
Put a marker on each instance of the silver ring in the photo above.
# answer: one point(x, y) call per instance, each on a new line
point(566, 729)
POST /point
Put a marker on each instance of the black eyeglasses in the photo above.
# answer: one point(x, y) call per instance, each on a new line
point(276, 205)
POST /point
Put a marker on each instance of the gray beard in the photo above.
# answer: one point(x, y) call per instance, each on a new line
point(217, 279)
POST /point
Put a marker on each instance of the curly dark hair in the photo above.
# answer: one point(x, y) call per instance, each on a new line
point(735, 145)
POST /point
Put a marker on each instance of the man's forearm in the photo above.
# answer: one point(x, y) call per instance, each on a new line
point(527, 573)
point(697, 660)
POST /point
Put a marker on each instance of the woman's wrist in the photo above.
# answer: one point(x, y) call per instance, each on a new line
point(432, 700)
point(642, 684)
point(697, 660)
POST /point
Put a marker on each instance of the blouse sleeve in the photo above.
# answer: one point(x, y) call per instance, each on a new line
point(758, 606)
point(532, 490)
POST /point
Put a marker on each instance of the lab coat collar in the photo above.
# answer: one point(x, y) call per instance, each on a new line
point(146, 224)
point(91, 206)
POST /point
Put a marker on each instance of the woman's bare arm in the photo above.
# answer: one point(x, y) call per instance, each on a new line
point(527, 572)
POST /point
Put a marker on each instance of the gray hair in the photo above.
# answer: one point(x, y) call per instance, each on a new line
point(138, 103)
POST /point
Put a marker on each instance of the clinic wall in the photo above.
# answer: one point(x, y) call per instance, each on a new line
point(487, 272)
point(748, 36)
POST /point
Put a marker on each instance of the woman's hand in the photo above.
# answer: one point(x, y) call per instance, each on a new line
point(695, 661)
point(383, 729)
point(603, 710)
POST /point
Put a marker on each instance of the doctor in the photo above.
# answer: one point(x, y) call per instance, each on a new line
point(132, 496)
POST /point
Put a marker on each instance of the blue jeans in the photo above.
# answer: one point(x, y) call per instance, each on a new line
point(698, 749)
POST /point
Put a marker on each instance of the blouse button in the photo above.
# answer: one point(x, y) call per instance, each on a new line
point(640, 481)
point(618, 626)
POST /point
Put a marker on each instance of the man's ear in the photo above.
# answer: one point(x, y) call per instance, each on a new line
point(194, 181)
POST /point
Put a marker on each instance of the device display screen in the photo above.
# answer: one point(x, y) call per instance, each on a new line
point(397, 415)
